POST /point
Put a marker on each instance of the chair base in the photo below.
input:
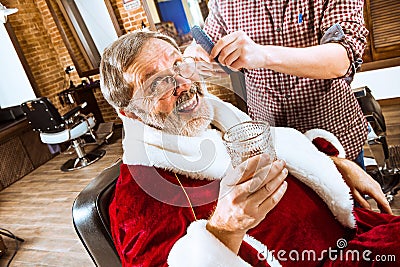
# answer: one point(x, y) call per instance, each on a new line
point(78, 163)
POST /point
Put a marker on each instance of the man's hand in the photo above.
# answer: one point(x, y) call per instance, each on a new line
point(237, 50)
point(247, 194)
point(361, 183)
point(206, 66)
point(195, 51)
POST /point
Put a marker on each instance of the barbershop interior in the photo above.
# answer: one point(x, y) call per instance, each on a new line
point(61, 141)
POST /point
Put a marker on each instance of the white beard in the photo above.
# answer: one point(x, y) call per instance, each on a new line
point(177, 123)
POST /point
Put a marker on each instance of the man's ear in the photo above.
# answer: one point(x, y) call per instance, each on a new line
point(127, 114)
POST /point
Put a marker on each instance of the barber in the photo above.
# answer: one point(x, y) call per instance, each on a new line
point(298, 58)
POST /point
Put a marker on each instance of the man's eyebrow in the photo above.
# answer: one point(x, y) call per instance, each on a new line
point(149, 75)
point(154, 72)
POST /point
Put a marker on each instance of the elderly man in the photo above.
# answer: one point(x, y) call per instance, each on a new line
point(179, 202)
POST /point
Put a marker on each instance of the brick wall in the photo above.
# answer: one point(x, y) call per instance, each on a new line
point(47, 55)
point(222, 88)
point(129, 20)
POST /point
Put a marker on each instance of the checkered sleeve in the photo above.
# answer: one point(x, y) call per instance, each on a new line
point(214, 24)
point(349, 15)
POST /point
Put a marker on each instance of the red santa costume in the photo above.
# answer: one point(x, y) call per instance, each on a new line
point(169, 185)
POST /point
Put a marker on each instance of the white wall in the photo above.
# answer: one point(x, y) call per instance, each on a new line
point(98, 22)
point(384, 83)
point(15, 87)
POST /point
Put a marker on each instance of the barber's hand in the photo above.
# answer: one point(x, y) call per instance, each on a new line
point(247, 194)
point(237, 50)
point(195, 51)
point(361, 183)
point(205, 66)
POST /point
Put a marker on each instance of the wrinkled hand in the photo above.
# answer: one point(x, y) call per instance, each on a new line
point(237, 50)
point(361, 183)
point(247, 194)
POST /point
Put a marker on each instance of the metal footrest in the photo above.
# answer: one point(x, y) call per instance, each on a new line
point(104, 132)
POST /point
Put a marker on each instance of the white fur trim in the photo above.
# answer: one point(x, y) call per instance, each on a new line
point(262, 250)
point(200, 157)
point(201, 248)
point(328, 136)
point(205, 156)
point(226, 115)
point(315, 169)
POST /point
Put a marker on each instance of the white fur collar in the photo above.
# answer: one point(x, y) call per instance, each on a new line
point(200, 157)
point(315, 169)
point(205, 157)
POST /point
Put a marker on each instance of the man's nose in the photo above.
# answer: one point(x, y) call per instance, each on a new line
point(182, 85)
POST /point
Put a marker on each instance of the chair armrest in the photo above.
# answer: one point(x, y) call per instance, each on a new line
point(360, 92)
point(73, 112)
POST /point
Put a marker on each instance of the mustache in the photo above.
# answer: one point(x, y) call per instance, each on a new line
point(146, 113)
point(185, 96)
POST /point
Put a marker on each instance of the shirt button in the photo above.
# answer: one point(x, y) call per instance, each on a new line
point(278, 29)
point(287, 96)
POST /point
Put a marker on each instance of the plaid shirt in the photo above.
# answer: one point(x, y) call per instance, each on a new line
point(286, 100)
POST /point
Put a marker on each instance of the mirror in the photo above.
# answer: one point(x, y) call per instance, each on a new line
point(86, 27)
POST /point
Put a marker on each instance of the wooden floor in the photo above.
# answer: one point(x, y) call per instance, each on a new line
point(37, 208)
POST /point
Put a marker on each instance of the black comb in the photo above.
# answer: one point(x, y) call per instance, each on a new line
point(205, 41)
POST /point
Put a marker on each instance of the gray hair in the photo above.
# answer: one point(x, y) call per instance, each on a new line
point(117, 58)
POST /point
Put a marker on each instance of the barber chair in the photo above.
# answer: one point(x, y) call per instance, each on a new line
point(91, 219)
point(57, 129)
point(387, 172)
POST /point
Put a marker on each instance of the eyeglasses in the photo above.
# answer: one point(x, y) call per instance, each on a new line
point(166, 86)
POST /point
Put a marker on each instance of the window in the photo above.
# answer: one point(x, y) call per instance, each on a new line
point(383, 23)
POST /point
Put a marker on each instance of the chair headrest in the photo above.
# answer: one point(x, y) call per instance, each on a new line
point(42, 115)
point(371, 109)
